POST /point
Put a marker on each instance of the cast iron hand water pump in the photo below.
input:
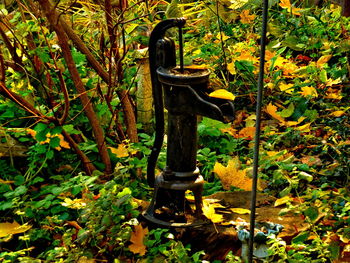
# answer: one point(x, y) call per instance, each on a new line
point(185, 96)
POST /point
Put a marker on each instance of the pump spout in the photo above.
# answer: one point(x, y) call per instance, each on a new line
point(218, 109)
point(188, 94)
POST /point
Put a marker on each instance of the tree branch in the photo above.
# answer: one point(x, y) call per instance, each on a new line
point(89, 111)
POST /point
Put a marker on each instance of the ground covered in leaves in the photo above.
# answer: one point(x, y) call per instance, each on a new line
point(51, 211)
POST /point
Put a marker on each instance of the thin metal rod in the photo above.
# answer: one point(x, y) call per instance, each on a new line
point(258, 128)
point(181, 50)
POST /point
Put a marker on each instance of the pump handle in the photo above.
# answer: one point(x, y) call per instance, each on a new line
point(161, 54)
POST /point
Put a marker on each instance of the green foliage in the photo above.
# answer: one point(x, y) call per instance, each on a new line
point(76, 217)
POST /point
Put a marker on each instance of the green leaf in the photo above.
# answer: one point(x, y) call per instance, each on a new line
point(40, 127)
point(323, 76)
point(125, 191)
point(311, 213)
point(5, 205)
point(302, 237)
point(44, 56)
point(57, 190)
point(19, 179)
point(305, 176)
point(56, 130)
point(21, 190)
point(287, 112)
point(70, 129)
point(78, 57)
point(41, 136)
point(50, 154)
point(76, 190)
point(55, 142)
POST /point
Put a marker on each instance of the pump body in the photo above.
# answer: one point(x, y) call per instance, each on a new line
point(185, 97)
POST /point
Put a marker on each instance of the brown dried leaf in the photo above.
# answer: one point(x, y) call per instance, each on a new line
point(137, 237)
point(231, 175)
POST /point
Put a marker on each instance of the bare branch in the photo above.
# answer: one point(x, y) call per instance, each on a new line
point(89, 111)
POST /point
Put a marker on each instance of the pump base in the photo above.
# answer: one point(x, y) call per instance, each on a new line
point(169, 196)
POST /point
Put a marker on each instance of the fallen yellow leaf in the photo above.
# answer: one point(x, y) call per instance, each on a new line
point(231, 68)
point(323, 60)
point(269, 55)
point(304, 128)
point(223, 36)
point(202, 66)
point(231, 175)
point(294, 123)
point(283, 200)
point(308, 91)
point(12, 228)
point(137, 237)
point(85, 259)
point(337, 113)
point(6, 182)
point(333, 94)
point(240, 211)
point(287, 88)
point(247, 132)
point(63, 142)
point(285, 4)
point(246, 18)
point(272, 111)
point(209, 212)
point(121, 151)
point(330, 82)
point(77, 203)
point(222, 94)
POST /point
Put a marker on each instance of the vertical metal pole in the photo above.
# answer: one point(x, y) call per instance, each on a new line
point(181, 50)
point(257, 130)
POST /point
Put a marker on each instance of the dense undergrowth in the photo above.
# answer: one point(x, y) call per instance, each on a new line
point(55, 212)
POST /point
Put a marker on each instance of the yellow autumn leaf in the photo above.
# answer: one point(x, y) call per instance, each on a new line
point(85, 259)
point(235, 4)
point(323, 60)
point(304, 128)
point(333, 94)
point(287, 88)
point(137, 236)
point(272, 111)
point(222, 36)
point(247, 132)
point(209, 212)
point(63, 142)
point(282, 201)
point(31, 132)
point(231, 68)
point(246, 18)
point(337, 113)
point(247, 55)
point(272, 153)
point(269, 55)
point(12, 228)
point(231, 175)
point(294, 123)
point(222, 94)
point(202, 66)
point(289, 68)
point(330, 82)
point(6, 182)
point(308, 91)
point(121, 151)
point(241, 211)
point(285, 4)
point(77, 203)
